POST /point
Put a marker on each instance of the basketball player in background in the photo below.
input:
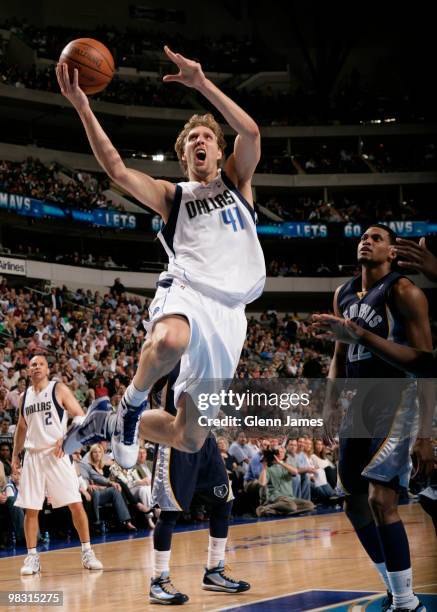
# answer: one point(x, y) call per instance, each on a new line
point(177, 476)
point(216, 266)
point(372, 471)
point(42, 423)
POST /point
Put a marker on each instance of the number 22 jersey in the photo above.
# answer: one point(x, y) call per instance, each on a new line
point(373, 310)
point(211, 241)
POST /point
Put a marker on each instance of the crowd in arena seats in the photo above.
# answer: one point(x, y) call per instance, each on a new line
point(92, 343)
point(33, 179)
point(142, 48)
point(267, 106)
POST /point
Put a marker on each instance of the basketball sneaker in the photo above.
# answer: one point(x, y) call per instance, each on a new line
point(163, 592)
point(387, 602)
point(419, 608)
point(90, 561)
point(216, 579)
point(93, 429)
point(31, 565)
point(124, 438)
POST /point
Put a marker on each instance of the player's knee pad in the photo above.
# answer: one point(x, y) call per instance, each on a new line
point(357, 510)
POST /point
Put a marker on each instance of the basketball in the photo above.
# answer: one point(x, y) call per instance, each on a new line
point(94, 62)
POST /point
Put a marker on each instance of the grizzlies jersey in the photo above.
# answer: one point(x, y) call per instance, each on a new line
point(45, 418)
point(212, 244)
point(373, 310)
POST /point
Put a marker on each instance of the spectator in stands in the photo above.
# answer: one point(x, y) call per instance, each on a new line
point(321, 490)
point(276, 476)
point(103, 490)
point(298, 459)
point(5, 434)
point(5, 457)
point(241, 452)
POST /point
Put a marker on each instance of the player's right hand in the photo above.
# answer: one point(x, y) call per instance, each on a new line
point(329, 327)
point(71, 90)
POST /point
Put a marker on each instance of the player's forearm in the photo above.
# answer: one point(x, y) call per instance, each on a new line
point(237, 118)
point(103, 149)
point(19, 439)
point(404, 357)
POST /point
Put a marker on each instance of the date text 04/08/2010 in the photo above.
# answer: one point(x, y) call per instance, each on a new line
point(255, 421)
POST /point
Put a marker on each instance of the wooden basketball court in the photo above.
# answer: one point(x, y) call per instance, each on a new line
point(278, 557)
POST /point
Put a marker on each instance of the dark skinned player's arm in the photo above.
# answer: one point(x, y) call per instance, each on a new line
point(421, 363)
point(412, 305)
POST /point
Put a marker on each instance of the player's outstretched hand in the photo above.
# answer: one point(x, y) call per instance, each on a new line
point(190, 72)
point(416, 256)
point(329, 327)
point(71, 90)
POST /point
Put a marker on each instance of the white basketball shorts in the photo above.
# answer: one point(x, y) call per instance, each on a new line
point(43, 475)
point(217, 335)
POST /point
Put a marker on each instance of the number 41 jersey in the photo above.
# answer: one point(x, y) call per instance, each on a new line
point(212, 243)
point(46, 420)
point(373, 310)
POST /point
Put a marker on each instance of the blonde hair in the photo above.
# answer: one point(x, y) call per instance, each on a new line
point(206, 120)
point(101, 463)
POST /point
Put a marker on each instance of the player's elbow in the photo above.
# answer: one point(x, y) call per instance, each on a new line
point(118, 174)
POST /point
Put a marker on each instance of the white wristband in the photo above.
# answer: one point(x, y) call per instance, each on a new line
point(78, 420)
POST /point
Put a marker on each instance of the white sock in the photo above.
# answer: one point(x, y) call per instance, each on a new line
point(31, 551)
point(382, 570)
point(216, 551)
point(161, 562)
point(133, 396)
point(401, 587)
point(86, 546)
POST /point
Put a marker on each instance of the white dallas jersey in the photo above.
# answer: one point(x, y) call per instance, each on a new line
point(212, 244)
point(45, 418)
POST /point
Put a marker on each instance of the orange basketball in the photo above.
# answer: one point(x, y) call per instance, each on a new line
point(94, 62)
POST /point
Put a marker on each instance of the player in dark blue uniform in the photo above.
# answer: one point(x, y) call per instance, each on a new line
point(373, 469)
point(177, 476)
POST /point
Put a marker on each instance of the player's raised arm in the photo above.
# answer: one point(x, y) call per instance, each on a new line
point(156, 194)
point(247, 148)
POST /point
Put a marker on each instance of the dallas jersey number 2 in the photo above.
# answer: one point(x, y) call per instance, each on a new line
point(236, 221)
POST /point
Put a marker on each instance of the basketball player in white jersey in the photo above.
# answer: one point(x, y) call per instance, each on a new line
point(44, 409)
point(216, 267)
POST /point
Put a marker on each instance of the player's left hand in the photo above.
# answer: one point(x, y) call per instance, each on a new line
point(424, 452)
point(190, 72)
point(58, 452)
point(329, 327)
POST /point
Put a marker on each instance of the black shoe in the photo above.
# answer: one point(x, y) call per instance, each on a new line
point(387, 602)
point(216, 579)
point(163, 592)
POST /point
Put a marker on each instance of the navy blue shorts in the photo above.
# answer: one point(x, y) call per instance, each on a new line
point(385, 456)
point(178, 476)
